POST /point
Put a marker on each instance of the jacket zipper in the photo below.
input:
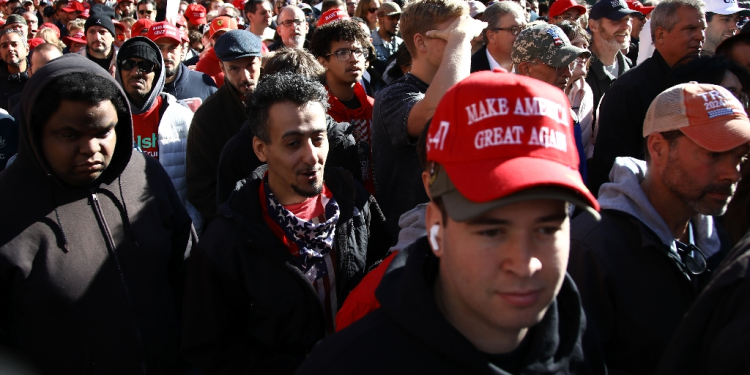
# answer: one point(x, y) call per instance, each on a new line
point(111, 248)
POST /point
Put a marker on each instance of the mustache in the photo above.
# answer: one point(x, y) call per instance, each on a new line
point(724, 189)
point(312, 169)
point(169, 61)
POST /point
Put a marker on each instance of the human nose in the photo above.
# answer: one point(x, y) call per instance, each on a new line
point(90, 146)
point(310, 156)
point(519, 258)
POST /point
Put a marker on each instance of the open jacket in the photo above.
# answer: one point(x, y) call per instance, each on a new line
point(90, 277)
point(251, 310)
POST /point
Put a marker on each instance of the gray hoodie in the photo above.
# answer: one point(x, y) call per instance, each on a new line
point(624, 194)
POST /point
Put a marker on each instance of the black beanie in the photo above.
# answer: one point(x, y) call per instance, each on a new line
point(140, 49)
point(102, 20)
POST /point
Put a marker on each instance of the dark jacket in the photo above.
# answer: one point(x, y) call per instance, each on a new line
point(8, 139)
point(600, 81)
point(238, 159)
point(409, 334)
point(251, 310)
point(191, 88)
point(621, 116)
point(214, 124)
point(90, 277)
point(633, 292)
point(479, 60)
point(713, 336)
point(10, 84)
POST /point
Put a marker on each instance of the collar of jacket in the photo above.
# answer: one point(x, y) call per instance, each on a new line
point(405, 294)
point(598, 67)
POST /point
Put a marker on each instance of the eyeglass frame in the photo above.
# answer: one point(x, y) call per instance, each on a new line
point(569, 68)
point(137, 64)
point(363, 52)
point(568, 18)
point(510, 29)
point(294, 22)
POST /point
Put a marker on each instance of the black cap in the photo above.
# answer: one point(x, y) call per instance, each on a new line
point(141, 49)
point(49, 11)
point(100, 20)
point(236, 44)
point(611, 9)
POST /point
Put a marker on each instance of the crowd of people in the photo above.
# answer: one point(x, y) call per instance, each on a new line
point(407, 186)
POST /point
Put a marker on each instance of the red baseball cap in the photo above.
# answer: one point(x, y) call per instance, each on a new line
point(239, 4)
point(180, 21)
point(140, 27)
point(34, 42)
point(638, 6)
point(164, 29)
point(74, 6)
point(196, 14)
point(561, 6)
point(709, 115)
point(49, 25)
point(222, 23)
point(331, 15)
point(79, 37)
point(499, 138)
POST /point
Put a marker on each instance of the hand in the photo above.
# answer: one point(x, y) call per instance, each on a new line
point(463, 27)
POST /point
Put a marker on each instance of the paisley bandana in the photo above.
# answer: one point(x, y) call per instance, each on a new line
point(306, 239)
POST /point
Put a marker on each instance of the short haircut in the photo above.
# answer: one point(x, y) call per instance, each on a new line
point(292, 60)
point(252, 5)
point(76, 87)
point(422, 16)
point(15, 31)
point(330, 4)
point(342, 30)
point(46, 47)
point(670, 136)
point(141, 2)
point(194, 36)
point(231, 10)
point(277, 88)
point(727, 46)
point(494, 12)
point(665, 14)
point(129, 21)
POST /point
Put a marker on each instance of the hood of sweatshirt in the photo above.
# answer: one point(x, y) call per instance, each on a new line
point(624, 194)
point(30, 155)
point(158, 85)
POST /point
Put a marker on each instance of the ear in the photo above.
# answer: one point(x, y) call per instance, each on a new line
point(524, 69)
point(324, 62)
point(426, 182)
point(260, 149)
point(433, 217)
point(659, 36)
point(658, 149)
point(221, 66)
point(420, 43)
point(593, 25)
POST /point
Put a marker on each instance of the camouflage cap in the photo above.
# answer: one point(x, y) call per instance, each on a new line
point(547, 43)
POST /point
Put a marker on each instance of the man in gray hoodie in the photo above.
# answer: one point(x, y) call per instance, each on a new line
point(160, 124)
point(640, 268)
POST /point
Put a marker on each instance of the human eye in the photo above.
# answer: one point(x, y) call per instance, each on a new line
point(548, 230)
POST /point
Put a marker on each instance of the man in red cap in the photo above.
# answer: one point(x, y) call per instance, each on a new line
point(191, 88)
point(565, 10)
point(341, 47)
point(486, 289)
point(195, 16)
point(640, 268)
point(125, 8)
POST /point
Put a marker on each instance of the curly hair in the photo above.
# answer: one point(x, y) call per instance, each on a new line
point(346, 30)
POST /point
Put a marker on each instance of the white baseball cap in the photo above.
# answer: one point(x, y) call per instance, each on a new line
point(724, 7)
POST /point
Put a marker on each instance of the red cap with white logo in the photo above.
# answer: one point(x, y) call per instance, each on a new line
point(331, 15)
point(164, 30)
point(502, 138)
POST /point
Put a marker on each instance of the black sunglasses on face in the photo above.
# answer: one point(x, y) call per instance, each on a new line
point(144, 66)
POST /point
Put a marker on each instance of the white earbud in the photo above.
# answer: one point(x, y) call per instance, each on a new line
point(433, 237)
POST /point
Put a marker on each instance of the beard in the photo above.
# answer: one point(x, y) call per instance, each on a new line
point(296, 41)
point(613, 43)
point(170, 72)
point(678, 181)
point(311, 189)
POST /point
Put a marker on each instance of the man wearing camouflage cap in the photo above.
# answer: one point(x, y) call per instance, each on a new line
point(544, 52)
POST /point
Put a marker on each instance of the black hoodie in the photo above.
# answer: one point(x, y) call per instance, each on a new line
point(409, 334)
point(89, 275)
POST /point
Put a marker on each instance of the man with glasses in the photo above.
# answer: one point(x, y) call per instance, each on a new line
point(544, 52)
point(100, 35)
point(341, 48)
point(721, 21)
point(640, 268)
point(610, 24)
point(147, 9)
point(565, 10)
point(351, 5)
point(505, 20)
point(160, 124)
point(292, 28)
point(32, 23)
point(385, 37)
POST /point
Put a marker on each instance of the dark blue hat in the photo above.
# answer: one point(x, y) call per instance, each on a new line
point(236, 44)
point(611, 9)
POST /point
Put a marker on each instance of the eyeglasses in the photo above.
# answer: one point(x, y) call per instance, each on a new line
point(344, 54)
point(515, 30)
point(144, 66)
point(567, 17)
point(373, 10)
point(290, 23)
point(145, 12)
point(691, 257)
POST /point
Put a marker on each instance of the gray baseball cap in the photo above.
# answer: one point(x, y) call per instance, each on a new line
point(547, 43)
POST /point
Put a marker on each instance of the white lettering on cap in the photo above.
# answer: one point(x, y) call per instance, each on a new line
point(438, 141)
point(547, 138)
point(541, 107)
point(487, 108)
point(499, 136)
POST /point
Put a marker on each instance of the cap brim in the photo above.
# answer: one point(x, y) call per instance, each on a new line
point(168, 37)
point(503, 178)
point(570, 53)
point(728, 10)
point(251, 54)
point(620, 13)
point(720, 137)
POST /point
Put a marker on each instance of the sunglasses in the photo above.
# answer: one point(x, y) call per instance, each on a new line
point(372, 10)
point(691, 258)
point(145, 12)
point(144, 66)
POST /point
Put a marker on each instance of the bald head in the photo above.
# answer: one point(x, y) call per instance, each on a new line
point(292, 27)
